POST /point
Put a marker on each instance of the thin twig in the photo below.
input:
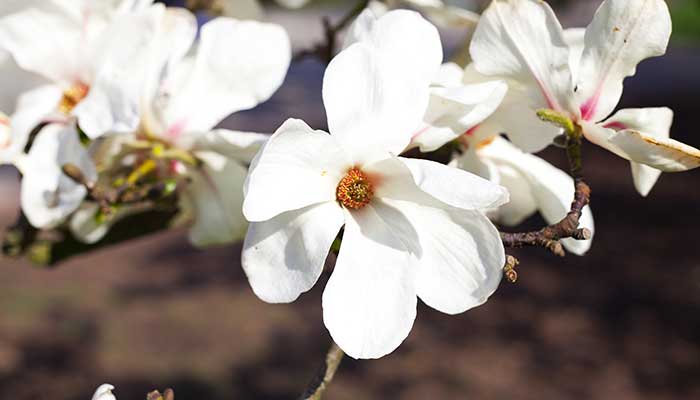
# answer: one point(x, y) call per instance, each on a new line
point(550, 236)
point(326, 49)
point(324, 375)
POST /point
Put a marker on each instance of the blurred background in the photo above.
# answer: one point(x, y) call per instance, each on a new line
point(621, 323)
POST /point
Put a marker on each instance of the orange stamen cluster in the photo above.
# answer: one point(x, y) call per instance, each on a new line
point(72, 97)
point(354, 190)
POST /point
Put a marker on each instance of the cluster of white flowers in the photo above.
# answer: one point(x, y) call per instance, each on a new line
point(129, 93)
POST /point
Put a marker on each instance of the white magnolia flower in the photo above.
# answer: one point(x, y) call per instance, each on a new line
point(248, 9)
point(104, 392)
point(534, 185)
point(236, 66)
point(412, 228)
point(522, 40)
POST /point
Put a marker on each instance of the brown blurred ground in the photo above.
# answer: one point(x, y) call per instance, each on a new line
point(620, 323)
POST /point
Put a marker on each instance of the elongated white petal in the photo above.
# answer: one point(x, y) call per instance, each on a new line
point(654, 121)
point(297, 167)
point(239, 64)
point(113, 103)
point(48, 197)
point(452, 186)
point(575, 38)
point(462, 257)
point(104, 392)
point(664, 154)
point(454, 111)
point(14, 82)
point(523, 40)
point(376, 91)
point(522, 204)
point(621, 35)
point(216, 193)
point(44, 39)
point(292, 3)
point(32, 107)
point(369, 303)
point(551, 188)
point(236, 145)
point(284, 256)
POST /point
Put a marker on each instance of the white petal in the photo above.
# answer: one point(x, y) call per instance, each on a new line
point(32, 108)
point(454, 111)
point(87, 229)
point(575, 38)
point(297, 167)
point(239, 64)
point(242, 9)
point(450, 75)
point(113, 103)
point(621, 35)
point(216, 193)
point(451, 186)
point(654, 121)
point(551, 188)
point(44, 39)
point(376, 91)
point(292, 3)
point(369, 303)
point(104, 392)
point(48, 197)
point(522, 203)
point(462, 258)
point(664, 154)
point(14, 82)
point(284, 257)
point(448, 16)
point(523, 40)
point(237, 145)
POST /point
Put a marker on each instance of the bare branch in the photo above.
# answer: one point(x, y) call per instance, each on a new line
point(324, 375)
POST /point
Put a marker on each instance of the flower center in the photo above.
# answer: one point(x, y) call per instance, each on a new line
point(354, 190)
point(72, 97)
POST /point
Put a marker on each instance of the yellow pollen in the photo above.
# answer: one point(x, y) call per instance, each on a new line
point(354, 190)
point(486, 143)
point(72, 97)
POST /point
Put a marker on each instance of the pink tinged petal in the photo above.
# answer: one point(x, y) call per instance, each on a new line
point(551, 188)
point(284, 256)
point(236, 145)
point(239, 64)
point(455, 187)
point(216, 195)
point(523, 40)
point(44, 39)
point(48, 197)
point(622, 34)
point(462, 258)
point(369, 303)
point(653, 121)
point(454, 111)
point(296, 168)
point(376, 91)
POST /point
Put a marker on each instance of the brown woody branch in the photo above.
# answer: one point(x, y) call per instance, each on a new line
point(324, 375)
point(325, 50)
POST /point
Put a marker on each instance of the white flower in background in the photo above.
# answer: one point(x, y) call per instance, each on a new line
point(534, 184)
point(90, 58)
point(522, 40)
point(104, 392)
point(412, 228)
point(437, 11)
point(236, 66)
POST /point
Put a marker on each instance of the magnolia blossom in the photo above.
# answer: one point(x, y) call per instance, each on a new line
point(534, 184)
point(523, 41)
point(246, 9)
point(89, 56)
point(412, 228)
point(104, 392)
point(236, 65)
point(440, 13)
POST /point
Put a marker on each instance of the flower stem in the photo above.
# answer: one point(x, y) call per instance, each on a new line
point(324, 375)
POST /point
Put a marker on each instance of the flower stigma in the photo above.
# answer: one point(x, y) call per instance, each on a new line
point(71, 97)
point(354, 190)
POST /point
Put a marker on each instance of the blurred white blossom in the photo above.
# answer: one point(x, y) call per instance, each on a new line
point(104, 392)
